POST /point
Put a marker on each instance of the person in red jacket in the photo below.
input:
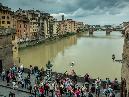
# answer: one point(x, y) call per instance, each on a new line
point(41, 90)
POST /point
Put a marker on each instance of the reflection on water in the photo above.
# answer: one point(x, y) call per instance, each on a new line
point(91, 54)
point(39, 55)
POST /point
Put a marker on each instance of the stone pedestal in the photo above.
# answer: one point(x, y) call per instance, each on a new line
point(48, 75)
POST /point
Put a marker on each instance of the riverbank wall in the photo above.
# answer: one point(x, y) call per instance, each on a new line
point(35, 42)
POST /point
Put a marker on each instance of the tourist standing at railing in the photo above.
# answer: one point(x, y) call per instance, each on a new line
point(31, 69)
point(87, 78)
point(7, 78)
point(98, 84)
point(92, 88)
point(3, 75)
point(115, 84)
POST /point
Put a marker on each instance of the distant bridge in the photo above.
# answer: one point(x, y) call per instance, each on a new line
point(108, 30)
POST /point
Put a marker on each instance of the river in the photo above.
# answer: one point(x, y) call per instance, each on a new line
point(90, 54)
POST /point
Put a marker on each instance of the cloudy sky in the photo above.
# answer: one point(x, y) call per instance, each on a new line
point(88, 11)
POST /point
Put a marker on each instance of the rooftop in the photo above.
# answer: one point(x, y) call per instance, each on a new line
point(4, 7)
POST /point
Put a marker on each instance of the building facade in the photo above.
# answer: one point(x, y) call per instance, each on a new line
point(7, 20)
point(41, 23)
point(46, 25)
point(34, 23)
point(22, 27)
point(55, 28)
point(6, 48)
point(5, 17)
point(68, 26)
point(51, 25)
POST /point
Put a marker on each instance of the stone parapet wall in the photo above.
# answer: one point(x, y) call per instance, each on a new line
point(125, 69)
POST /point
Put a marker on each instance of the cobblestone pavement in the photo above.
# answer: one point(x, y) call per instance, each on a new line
point(4, 92)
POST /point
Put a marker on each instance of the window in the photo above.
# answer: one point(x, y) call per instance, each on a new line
point(15, 48)
point(3, 17)
point(13, 37)
point(3, 22)
point(7, 17)
point(8, 22)
point(24, 26)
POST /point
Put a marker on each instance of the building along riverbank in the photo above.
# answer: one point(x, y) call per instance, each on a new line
point(31, 43)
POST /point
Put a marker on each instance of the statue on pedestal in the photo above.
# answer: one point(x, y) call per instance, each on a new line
point(48, 71)
point(49, 65)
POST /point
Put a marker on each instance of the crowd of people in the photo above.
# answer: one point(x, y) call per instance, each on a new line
point(62, 85)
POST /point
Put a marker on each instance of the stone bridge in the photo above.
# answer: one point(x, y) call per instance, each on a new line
point(92, 29)
point(108, 31)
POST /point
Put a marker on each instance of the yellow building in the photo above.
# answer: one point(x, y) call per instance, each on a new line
point(68, 26)
point(5, 17)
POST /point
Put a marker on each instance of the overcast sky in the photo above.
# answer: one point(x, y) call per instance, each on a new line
point(88, 11)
